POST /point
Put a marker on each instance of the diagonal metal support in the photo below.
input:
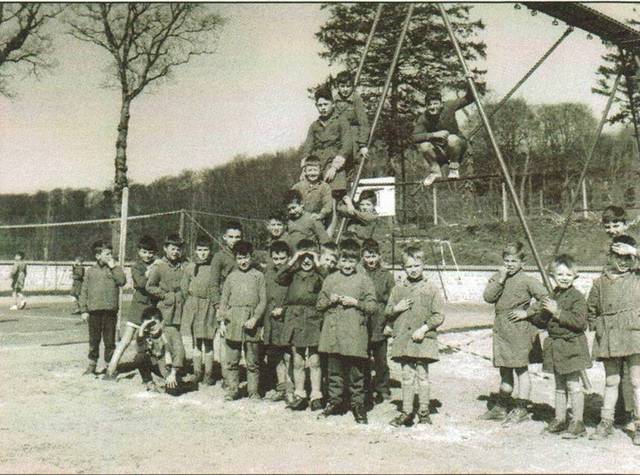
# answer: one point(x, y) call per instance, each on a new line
point(376, 118)
point(594, 143)
point(503, 166)
point(372, 32)
point(513, 90)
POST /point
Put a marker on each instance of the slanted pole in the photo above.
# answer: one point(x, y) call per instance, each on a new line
point(503, 166)
point(372, 31)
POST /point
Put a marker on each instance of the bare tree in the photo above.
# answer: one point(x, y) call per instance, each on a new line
point(146, 42)
point(24, 46)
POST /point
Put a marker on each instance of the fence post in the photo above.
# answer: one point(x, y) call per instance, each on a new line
point(181, 225)
point(585, 204)
point(434, 192)
point(505, 203)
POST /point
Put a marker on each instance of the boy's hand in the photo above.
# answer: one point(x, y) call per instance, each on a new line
point(550, 306)
point(330, 174)
point(334, 298)
point(419, 334)
point(277, 312)
point(85, 316)
point(171, 381)
point(440, 134)
point(316, 216)
point(338, 162)
point(364, 151)
point(223, 329)
point(349, 301)
point(624, 249)
point(502, 274)
point(517, 315)
point(251, 323)
point(403, 306)
point(388, 331)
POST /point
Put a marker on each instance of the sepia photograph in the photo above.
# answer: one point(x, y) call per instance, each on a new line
point(320, 237)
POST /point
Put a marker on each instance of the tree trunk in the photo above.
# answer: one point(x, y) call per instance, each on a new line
point(120, 181)
point(523, 180)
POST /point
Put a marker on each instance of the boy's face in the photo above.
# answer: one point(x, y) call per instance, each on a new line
point(347, 265)
point(370, 259)
point(512, 263)
point(243, 261)
point(345, 89)
point(563, 276)
point(622, 263)
point(295, 209)
point(145, 255)
point(328, 260)
point(172, 252)
point(231, 236)
point(325, 107)
point(306, 262)
point(434, 106)
point(279, 258)
point(18, 257)
point(615, 228)
point(155, 328)
point(203, 252)
point(366, 206)
point(275, 228)
point(312, 172)
point(104, 256)
point(413, 266)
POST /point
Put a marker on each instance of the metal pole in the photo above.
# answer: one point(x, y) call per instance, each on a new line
point(576, 195)
point(505, 203)
point(522, 81)
point(376, 118)
point(356, 78)
point(122, 250)
point(434, 193)
point(496, 149)
point(181, 225)
point(585, 205)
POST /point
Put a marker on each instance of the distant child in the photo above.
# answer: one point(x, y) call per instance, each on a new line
point(362, 221)
point(277, 231)
point(141, 301)
point(222, 264)
point(277, 348)
point(613, 313)
point(383, 282)
point(99, 300)
point(303, 323)
point(415, 309)
point(329, 138)
point(242, 307)
point(316, 194)
point(566, 351)
point(614, 222)
point(164, 283)
point(198, 317)
point(302, 225)
point(18, 275)
point(350, 105)
point(77, 275)
point(160, 352)
point(511, 290)
point(347, 300)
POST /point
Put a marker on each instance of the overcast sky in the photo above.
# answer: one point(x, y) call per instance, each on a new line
point(248, 98)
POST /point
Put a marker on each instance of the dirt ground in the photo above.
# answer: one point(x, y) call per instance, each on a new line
point(52, 419)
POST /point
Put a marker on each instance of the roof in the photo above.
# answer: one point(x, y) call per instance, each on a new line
point(586, 18)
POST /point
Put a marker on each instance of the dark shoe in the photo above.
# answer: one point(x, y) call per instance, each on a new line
point(231, 396)
point(576, 429)
point(378, 398)
point(110, 377)
point(331, 409)
point(496, 413)
point(636, 435)
point(556, 426)
point(198, 376)
point(316, 405)
point(209, 380)
point(401, 420)
point(278, 396)
point(359, 414)
point(424, 418)
point(299, 403)
point(255, 396)
point(91, 369)
point(604, 430)
point(516, 416)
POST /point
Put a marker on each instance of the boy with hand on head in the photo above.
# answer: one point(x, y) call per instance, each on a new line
point(350, 105)
point(347, 299)
point(383, 282)
point(316, 194)
point(416, 309)
point(363, 220)
point(242, 306)
point(302, 322)
point(77, 275)
point(99, 300)
point(198, 317)
point(437, 135)
point(164, 283)
point(278, 351)
point(18, 276)
point(141, 301)
point(566, 351)
point(511, 291)
point(612, 303)
point(302, 225)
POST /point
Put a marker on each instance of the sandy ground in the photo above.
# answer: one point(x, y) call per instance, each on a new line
point(54, 420)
